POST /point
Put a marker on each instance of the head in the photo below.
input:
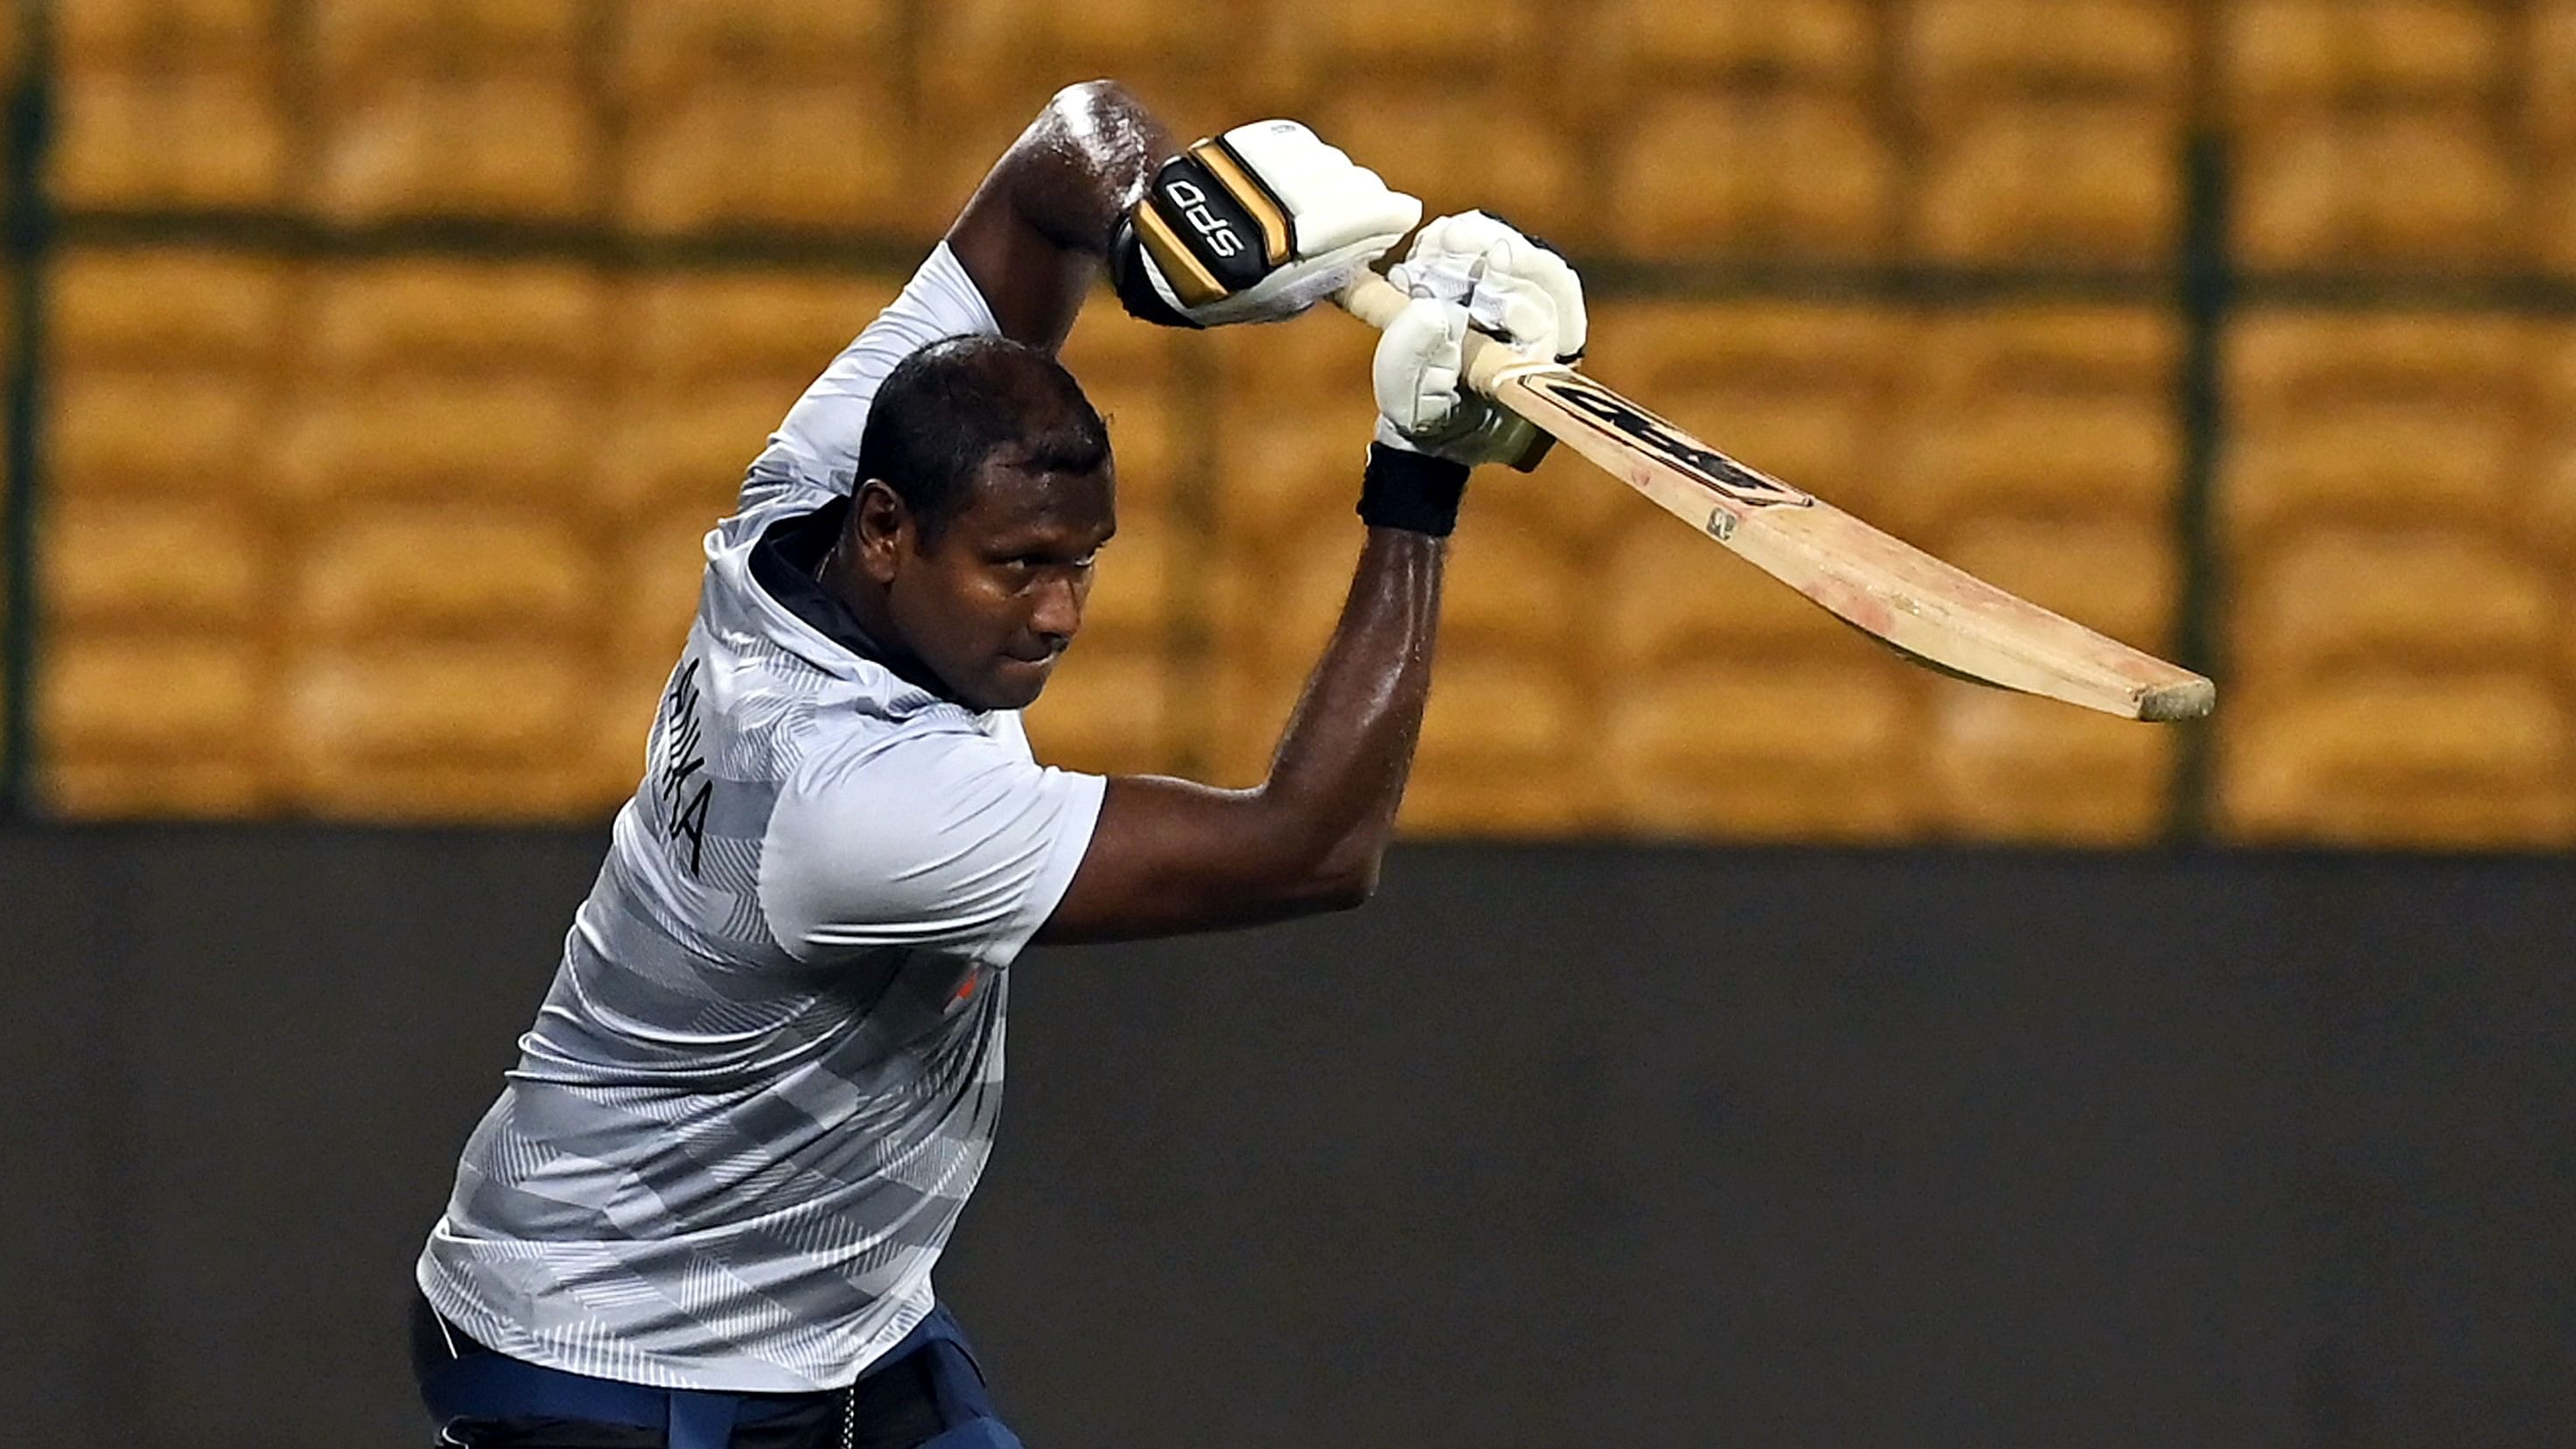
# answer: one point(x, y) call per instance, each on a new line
point(985, 494)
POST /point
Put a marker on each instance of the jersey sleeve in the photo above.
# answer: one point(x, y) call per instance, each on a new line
point(816, 450)
point(948, 841)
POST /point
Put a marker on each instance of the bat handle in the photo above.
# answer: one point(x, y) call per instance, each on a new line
point(1375, 300)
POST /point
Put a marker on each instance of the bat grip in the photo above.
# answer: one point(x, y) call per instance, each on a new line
point(1375, 300)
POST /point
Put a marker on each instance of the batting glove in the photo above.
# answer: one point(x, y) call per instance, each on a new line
point(1256, 225)
point(1473, 271)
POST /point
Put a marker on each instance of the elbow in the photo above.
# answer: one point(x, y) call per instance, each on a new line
point(1350, 875)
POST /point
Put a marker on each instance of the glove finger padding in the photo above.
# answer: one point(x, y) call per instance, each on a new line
point(1423, 405)
point(1256, 225)
point(1518, 288)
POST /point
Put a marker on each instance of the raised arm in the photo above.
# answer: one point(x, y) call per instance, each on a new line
point(1169, 856)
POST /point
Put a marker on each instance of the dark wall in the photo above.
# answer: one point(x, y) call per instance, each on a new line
point(1547, 1147)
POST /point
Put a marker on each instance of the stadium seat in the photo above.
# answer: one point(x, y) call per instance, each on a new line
point(2379, 189)
point(626, 701)
point(1136, 585)
point(665, 47)
point(2067, 455)
point(822, 157)
point(1668, 597)
point(2554, 239)
point(149, 561)
point(2275, 54)
point(1502, 751)
point(145, 139)
point(1109, 710)
point(660, 566)
point(357, 45)
point(2478, 761)
point(2044, 349)
point(438, 438)
point(2549, 75)
point(153, 725)
point(1815, 752)
point(497, 145)
point(2009, 767)
point(1506, 591)
point(778, 327)
point(686, 450)
point(1796, 176)
point(1456, 149)
point(2389, 418)
point(1282, 467)
point(2052, 181)
point(153, 434)
point(2328, 602)
point(163, 308)
point(2119, 576)
point(96, 35)
point(1639, 45)
point(1361, 35)
point(1956, 54)
point(1152, 443)
point(486, 731)
point(440, 572)
point(1800, 391)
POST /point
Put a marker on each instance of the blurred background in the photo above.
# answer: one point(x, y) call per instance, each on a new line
point(1771, 1043)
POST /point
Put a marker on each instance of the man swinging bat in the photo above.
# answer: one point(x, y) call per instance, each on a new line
point(704, 1210)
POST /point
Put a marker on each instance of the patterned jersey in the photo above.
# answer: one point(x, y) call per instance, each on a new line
point(766, 1076)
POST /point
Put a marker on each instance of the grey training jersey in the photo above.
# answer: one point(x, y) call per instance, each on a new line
point(765, 1079)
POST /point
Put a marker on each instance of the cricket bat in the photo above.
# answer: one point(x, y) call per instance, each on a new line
point(1939, 614)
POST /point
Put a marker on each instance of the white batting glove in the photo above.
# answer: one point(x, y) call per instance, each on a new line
point(1256, 225)
point(1471, 270)
point(1516, 287)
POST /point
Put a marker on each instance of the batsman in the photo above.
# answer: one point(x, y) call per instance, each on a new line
point(705, 1209)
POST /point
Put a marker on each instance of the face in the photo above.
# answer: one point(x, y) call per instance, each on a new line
point(990, 603)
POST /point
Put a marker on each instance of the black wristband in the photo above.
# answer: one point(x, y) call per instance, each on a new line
point(1412, 491)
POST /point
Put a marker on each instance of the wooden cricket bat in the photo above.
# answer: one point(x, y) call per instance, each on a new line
point(1941, 615)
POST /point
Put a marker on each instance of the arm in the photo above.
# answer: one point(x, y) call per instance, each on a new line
point(1036, 232)
point(1168, 856)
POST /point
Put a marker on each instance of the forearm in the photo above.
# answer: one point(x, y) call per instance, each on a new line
point(1036, 232)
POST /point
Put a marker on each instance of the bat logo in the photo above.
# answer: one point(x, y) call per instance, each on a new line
point(1722, 474)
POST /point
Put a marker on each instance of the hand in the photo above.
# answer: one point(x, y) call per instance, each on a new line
point(1471, 270)
point(1256, 225)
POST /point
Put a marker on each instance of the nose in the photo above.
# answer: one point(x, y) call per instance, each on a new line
point(1058, 613)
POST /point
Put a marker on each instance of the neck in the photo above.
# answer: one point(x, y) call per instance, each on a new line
point(866, 600)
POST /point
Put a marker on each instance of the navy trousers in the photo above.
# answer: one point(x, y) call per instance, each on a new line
point(927, 1393)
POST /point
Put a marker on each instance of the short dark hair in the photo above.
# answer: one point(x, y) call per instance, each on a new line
point(947, 408)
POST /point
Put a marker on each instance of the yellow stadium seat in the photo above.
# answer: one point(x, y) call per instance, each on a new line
point(2470, 761)
point(151, 561)
point(1957, 52)
point(198, 138)
point(481, 145)
point(686, 450)
point(664, 46)
point(438, 438)
point(1799, 176)
point(422, 316)
point(154, 433)
point(93, 35)
point(2009, 767)
point(2551, 516)
point(2071, 454)
point(779, 327)
point(1282, 468)
point(661, 566)
point(2549, 74)
point(153, 725)
point(629, 697)
point(1508, 590)
point(161, 308)
point(1501, 751)
point(2044, 349)
point(2122, 577)
point(827, 157)
point(1360, 35)
point(2328, 602)
point(2555, 238)
point(1135, 587)
point(2365, 189)
point(2362, 419)
point(2282, 53)
point(1764, 752)
point(1830, 44)
point(433, 572)
point(439, 732)
point(357, 44)
point(1108, 710)
point(1456, 149)
point(1150, 441)
point(1800, 391)
point(1670, 598)
point(2053, 181)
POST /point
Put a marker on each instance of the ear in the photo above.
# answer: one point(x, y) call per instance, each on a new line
point(881, 527)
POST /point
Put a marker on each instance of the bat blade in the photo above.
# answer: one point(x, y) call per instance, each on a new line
point(1872, 580)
